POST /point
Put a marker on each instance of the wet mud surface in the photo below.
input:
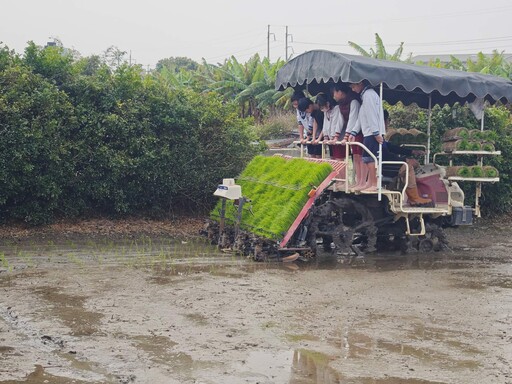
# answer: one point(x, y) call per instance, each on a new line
point(158, 310)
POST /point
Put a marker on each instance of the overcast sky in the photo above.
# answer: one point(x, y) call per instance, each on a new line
point(216, 29)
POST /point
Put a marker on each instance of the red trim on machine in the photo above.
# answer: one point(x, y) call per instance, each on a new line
point(337, 166)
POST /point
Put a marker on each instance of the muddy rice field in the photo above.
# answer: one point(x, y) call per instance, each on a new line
point(139, 308)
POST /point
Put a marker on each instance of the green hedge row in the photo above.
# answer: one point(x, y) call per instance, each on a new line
point(78, 137)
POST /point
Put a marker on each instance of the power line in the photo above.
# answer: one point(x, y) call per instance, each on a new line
point(482, 41)
point(472, 50)
point(472, 41)
point(410, 18)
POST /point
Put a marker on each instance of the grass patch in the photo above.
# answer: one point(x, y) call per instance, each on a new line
point(277, 126)
point(278, 189)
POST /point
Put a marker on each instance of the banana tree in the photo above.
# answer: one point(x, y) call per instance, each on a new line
point(380, 51)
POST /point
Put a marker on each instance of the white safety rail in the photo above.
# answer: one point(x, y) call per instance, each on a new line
point(396, 198)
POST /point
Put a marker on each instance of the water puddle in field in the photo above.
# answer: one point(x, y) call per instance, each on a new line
point(303, 366)
point(166, 262)
point(41, 376)
point(293, 367)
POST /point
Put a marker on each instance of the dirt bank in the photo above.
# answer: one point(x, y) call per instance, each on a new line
point(122, 306)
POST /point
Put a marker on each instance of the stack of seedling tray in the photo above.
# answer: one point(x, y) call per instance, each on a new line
point(463, 140)
point(278, 189)
point(401, 136)
point(474, 171)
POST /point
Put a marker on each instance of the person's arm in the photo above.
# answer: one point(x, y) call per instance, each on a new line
point(374, 115)
point(315, 129)
point(338, 123)
point(300, 126)
point(325, 129)
point(356, 129)
point(374, 112)
point(301, 132)
point(353, 115)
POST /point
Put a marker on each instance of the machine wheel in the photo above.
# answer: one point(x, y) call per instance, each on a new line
point(342, 226)
point(434, 240)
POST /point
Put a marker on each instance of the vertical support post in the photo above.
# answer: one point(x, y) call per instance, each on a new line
point(286, 45)
point(222, 219)
point(268, 42)
point(241, 202)
point(478, 191)
point(379, 165)
point(478, 194)
point(429, 126)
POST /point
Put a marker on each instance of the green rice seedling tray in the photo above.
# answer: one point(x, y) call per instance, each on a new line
point(278, 189)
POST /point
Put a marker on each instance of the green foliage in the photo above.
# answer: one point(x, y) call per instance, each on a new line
point(379, 52)
point(54, 63)
point(95, 134)
point(497, 197)
point(36, 120)
point(250, 85)
point(176, 64)
point(79, 137)
point(278, 189)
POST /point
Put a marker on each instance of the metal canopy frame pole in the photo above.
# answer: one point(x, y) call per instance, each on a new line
point(379, 166)
point(429, 126)
point(478, 189)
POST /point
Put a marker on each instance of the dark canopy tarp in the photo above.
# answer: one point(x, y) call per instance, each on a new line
point(408, 83)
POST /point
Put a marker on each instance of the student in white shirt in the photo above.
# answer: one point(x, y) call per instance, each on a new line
point(371, 123)
point(303, 118)
point(333, 130)
point(349, 104)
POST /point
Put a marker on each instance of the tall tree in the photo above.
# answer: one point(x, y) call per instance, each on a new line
point(114, 57)
point(175, 64)
point(251, 85)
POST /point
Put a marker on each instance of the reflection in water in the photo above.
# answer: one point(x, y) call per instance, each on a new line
point(40, 376)
point(293, 367)
point(310, 367)
point(265, 367)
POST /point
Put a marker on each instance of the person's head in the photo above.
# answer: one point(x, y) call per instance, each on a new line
point(324, 102)
point(296, 96)
point(305, 105)
point(340, 91)
point(357, 87)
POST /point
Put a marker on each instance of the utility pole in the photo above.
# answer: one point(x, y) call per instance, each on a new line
point(268, 40)
point(286, 43)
